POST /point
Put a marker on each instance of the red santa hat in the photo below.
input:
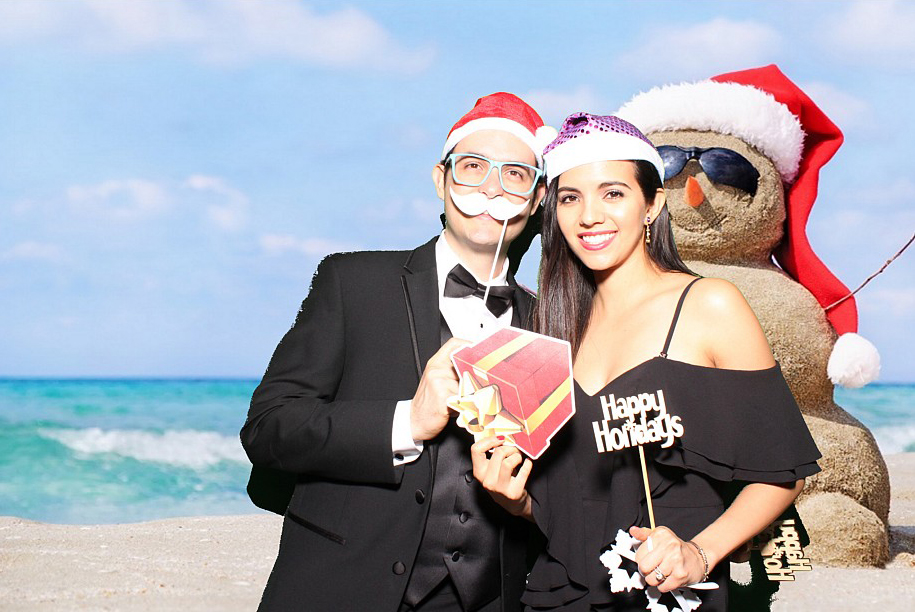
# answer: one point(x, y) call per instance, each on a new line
point(506, 112)
point(765, 109)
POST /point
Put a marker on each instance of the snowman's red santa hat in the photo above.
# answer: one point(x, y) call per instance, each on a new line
point(765, 109)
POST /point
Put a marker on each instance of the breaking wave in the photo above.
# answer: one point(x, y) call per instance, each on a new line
point(180, 448)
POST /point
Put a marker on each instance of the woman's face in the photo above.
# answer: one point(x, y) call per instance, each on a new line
point(601, 212)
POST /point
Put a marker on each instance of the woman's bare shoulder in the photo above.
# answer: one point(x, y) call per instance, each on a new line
point(718, 312)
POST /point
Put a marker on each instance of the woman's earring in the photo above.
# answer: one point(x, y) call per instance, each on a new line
point(647, 230)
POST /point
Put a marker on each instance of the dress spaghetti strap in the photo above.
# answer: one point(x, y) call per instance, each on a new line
point(673, 323)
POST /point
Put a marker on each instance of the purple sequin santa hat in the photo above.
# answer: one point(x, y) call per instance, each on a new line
point(586, 138)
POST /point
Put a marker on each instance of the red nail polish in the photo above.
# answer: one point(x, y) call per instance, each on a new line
point(500, 437)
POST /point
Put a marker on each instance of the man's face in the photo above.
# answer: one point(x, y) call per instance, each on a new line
point(481, 232)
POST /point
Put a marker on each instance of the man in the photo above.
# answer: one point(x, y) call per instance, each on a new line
point(386, 514)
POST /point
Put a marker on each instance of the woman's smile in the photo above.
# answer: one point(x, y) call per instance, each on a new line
point(595, 241)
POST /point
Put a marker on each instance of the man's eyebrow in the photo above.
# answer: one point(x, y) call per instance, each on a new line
point(503, 161)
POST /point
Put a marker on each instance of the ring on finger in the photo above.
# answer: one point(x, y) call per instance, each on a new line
point(659, 574)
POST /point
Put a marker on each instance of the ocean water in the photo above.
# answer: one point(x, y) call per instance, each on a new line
point(115, 451)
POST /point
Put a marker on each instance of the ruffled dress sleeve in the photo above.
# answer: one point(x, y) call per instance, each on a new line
point(738, 426)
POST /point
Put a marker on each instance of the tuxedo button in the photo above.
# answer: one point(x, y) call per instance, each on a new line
point(463, 516)
point(398, 456)
point(399, 568)
point(456, 556)
point(420, 496)
point(468, 477)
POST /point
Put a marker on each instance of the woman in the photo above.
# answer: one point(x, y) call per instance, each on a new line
point(643, 327)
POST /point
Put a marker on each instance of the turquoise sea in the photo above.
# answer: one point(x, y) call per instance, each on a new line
point(114, 451)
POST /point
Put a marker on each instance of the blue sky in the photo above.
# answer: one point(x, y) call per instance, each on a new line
point(172, 171)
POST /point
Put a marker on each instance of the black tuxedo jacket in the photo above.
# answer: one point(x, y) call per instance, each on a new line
point(324, 411)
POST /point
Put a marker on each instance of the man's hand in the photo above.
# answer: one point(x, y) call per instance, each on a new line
point(429, 412)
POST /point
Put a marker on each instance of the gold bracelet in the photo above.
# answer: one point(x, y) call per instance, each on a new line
point(704, 559)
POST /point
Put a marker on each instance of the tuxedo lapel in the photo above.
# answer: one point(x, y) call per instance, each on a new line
point(420, 290)
point(420, 285)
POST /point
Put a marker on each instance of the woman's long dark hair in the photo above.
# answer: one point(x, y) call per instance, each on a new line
point(566, 287)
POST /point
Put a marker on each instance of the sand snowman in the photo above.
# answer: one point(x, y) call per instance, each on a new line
point(742, 218)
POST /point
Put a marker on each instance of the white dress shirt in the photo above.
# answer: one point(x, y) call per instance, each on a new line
point(467, 318)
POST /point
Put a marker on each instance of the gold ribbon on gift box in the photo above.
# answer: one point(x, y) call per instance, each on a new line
point(481, 406)
point(480, 410)
point(508, 349)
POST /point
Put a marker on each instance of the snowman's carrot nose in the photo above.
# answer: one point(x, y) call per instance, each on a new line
point(694, 194)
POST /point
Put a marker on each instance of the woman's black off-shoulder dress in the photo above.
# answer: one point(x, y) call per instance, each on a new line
point(738, 426)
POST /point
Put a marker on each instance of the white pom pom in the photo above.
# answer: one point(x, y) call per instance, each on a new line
point(545, 135)
point(854, 362)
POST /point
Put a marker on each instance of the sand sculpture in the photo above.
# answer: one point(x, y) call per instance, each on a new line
point(727, 232)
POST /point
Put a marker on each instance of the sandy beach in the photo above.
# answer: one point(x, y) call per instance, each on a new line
point(222, 563)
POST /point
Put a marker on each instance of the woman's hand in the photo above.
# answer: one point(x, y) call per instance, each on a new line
point(503, 474)
point(662, 551)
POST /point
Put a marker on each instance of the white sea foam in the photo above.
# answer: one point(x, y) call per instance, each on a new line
point(897, 439)
point(184, 448)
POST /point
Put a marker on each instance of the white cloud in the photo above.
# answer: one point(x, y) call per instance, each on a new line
point(856, 242)
point(33, 251)
point(230, 211)
point(140, 23)
point(876, 227)
point(873, 29)
point(699, 51)
point(23, 207)
point(281, 244)
point(423, 207)
point(122, 200)
point(222, 31)
point(399, 211)
point(846, 110)
point(134, 200)
point(896, 302)
point(899, 193)
point(554, 106)
point(412, 136)
point(23, 20)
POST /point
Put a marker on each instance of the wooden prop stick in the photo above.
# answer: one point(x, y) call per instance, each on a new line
point(874, 275)
point(495, 260)
point(647, 488)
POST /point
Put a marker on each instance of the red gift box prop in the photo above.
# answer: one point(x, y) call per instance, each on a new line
point(533, 375)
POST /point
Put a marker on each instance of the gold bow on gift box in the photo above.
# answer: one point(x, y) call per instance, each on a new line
point(480, 410)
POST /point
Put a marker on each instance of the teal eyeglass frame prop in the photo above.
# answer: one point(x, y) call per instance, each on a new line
point(496, 164)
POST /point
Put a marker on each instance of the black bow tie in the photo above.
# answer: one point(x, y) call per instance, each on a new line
point(461, 283)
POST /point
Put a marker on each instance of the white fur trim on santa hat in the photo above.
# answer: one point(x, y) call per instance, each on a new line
point(854, 362)
point(746, 112)
point(599, 146)
point(502, 124)
point(544, 136)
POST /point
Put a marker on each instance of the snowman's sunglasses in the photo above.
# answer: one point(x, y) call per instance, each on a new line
point(722, 166)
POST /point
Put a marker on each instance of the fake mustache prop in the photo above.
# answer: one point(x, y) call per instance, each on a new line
point(499, 208)
point(477, 203)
